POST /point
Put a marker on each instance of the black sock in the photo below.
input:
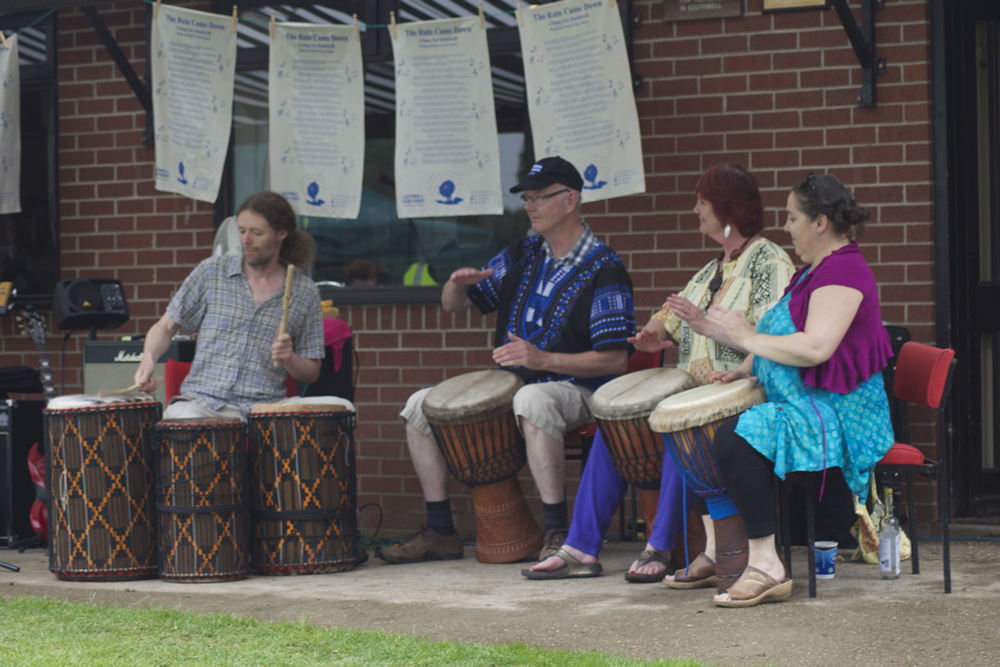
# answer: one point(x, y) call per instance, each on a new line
point(439, 517)
point(556, 517)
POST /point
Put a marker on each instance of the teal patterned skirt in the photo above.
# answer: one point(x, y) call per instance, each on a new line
point(789, 429)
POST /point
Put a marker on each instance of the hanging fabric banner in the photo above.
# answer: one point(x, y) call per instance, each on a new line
point(193, 59)
point(317, 118)
point(580, 97)
point(10, 128)
point(447, 155)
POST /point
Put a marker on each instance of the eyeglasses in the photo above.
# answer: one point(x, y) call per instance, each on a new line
point(538, 199)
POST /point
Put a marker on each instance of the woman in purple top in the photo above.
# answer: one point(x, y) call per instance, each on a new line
point(818, 353)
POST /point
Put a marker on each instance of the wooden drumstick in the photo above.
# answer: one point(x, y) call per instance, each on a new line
point(286, 303)
point(105, 393)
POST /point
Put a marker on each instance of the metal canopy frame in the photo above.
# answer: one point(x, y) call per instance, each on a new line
point(862, 40)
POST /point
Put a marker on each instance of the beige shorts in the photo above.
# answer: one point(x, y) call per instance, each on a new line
point(552, 407)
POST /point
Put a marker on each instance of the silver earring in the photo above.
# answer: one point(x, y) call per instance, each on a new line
point(726, 230)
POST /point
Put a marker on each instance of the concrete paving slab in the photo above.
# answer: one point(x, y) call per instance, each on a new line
point(857, 619)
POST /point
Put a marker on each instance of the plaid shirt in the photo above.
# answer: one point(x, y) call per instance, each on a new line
point(584, 245)
point(233, 363)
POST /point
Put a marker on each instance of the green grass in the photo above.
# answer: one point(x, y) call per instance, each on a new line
point(47, 632)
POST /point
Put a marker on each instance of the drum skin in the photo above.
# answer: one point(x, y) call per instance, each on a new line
point(473, 421)
point(303, 493)
point(622, 408)
point(688, 422)
point(202, 499)
point(102, 508)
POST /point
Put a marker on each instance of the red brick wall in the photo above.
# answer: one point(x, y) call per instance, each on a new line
point(775, 92)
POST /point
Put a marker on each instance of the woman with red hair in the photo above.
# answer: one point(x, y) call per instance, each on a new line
point(748, 276)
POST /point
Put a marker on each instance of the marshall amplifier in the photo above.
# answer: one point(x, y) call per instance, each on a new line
point(20, 428)
point(111, 364)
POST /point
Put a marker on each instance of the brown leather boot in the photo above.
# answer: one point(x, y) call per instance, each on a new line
point(425, 545)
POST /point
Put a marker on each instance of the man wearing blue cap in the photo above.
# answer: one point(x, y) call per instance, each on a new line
point(564, 311)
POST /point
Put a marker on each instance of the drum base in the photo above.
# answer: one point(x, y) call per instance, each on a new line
point(204, 548)
point(106, 576)
point(284, 548)
point(506, 531)
point(731, 551)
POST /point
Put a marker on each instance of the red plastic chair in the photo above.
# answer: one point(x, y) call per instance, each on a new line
point(174, 373)
point(923, 376)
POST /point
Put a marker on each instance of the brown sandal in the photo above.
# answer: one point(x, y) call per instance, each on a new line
point(754, 587)
point(699, 574)
point(648, 556)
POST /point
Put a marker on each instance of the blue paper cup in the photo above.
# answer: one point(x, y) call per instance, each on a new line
point(826, 559)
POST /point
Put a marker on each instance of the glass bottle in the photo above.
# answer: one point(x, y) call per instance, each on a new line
point(888, 542)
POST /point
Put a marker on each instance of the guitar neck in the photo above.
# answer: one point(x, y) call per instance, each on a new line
point(35, 327)
point(45, 372)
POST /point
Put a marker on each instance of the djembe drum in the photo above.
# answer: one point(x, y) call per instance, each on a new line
point(303, 495)
point(622, 408)
point(688, 422)
point(202, 489)
point(473, 421)
point(101, 487)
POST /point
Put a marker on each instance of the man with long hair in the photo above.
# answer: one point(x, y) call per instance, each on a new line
point(235, 304)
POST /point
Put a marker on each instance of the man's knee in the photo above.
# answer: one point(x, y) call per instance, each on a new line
point(413, 413)
point(552, 408)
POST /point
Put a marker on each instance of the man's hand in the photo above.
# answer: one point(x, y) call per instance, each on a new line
point(453, 295)
point(281, 348)
point(469, 276)
point(144, 377)
point(519, 352)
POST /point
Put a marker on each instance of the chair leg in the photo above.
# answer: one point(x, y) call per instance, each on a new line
point(622, 526)
point(811, 532)
point(911, 503)
point(944, 516)
point(786, 524)
point(635, 514)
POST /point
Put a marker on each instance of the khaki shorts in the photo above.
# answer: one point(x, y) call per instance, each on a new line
point(552, 407)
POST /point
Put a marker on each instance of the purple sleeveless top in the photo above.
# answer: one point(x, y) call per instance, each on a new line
point(865, 349)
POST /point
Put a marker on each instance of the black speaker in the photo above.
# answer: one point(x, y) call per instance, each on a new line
point(89, 303)
point(20, 428)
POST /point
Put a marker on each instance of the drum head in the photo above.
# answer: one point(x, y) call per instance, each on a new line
point(636, 394)
point(703, 405)
point(306, 404)
point(77, 401)
point(471, 397)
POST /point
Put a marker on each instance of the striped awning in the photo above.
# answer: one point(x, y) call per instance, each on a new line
point(380, 83)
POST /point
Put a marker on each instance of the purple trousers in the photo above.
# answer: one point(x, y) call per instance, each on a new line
point(601, 491)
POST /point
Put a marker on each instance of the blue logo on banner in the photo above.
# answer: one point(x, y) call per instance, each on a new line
point(590, 175)
point(447, 189)
point(312, 191)
point(180, 170)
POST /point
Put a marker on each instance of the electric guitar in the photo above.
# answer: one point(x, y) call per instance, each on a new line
point(33, 324)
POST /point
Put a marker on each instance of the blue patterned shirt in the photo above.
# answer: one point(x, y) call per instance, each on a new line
point(579, 303)
point(232, 363)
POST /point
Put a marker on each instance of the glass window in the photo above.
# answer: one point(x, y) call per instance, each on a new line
point(29, 240)
point(378, 248)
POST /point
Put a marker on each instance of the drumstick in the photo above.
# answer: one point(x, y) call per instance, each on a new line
point(105, 393)
point(286, 303)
